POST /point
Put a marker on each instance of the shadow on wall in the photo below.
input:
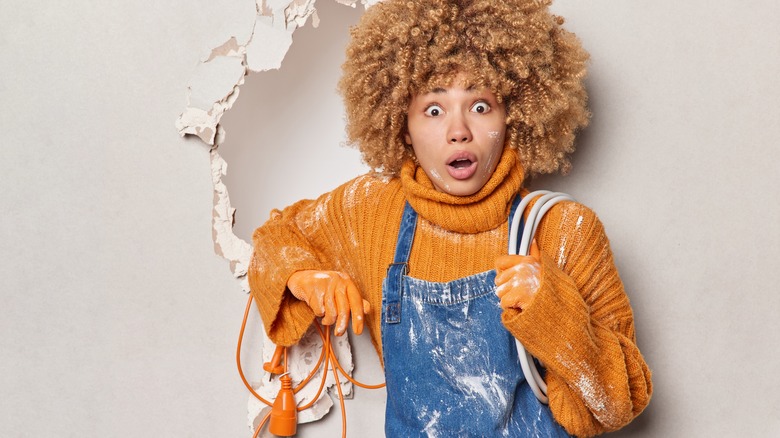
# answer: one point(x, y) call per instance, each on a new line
point(284, 135)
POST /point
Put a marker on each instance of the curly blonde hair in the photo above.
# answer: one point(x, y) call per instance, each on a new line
point(515, 48)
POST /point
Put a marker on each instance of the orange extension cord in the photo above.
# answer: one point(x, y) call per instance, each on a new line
point(328, 358)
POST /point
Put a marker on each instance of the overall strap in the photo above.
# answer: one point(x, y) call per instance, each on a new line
point(399, 267)
point(515, 204)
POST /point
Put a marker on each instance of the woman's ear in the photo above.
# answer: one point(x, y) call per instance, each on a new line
point(408, 138)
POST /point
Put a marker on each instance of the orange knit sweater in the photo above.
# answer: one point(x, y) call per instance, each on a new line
point(580, 324)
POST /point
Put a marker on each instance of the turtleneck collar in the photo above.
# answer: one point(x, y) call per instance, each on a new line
point(482, 211)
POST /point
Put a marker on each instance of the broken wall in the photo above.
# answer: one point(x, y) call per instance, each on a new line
point(120, 320)
point(631, 95)
point(272, 97)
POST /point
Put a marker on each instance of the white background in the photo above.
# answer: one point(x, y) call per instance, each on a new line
point(117, 319)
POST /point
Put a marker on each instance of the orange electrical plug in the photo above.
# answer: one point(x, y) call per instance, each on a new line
point(275, 366)
point(284, 413)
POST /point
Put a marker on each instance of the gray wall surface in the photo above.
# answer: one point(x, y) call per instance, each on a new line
point(118, 319)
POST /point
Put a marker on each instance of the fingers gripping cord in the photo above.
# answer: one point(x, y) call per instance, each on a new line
point(283, 414)
point(546, 200)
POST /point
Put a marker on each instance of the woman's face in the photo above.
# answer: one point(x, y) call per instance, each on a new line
point(457, 134)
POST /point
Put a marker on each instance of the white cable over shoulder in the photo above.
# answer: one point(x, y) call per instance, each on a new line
point(546, 200)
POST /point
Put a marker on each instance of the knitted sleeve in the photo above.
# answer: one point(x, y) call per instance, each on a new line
point(580, 326)
point(280, 249)
point(349, 229)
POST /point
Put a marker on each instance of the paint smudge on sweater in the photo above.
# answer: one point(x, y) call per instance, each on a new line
point(562, 253)
point(566, 218)
point(360, 190)
point(497, 234)
point(592, 392)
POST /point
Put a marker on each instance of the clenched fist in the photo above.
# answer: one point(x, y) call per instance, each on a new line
point(331, 295)
point(517, 278)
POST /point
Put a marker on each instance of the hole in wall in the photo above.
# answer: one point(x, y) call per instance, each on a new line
point(285, 133)
point(281, 142)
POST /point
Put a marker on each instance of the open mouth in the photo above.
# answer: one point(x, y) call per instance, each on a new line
point(462, 165)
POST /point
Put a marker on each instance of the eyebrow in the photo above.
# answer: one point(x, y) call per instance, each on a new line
point(440, 90)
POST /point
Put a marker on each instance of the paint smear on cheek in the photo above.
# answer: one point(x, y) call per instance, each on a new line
point(487, 170)
point(436, 176)
point(488, 167)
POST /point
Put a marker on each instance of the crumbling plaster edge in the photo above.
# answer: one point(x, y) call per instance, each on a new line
point(212, 91)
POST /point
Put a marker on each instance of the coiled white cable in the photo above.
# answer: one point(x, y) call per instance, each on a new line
point(546, 200)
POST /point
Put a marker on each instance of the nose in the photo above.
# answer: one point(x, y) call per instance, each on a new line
point(458, 131)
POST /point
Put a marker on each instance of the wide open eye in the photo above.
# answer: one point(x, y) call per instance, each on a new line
point(480, 107)
point(433, 111)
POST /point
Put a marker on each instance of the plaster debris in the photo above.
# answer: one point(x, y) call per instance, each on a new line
point(228, 48)
point(268, 46)
point(366, 3)
point(226, 243)
point(212, 91)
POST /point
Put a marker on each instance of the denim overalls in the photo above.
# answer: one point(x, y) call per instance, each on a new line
point(451, 366)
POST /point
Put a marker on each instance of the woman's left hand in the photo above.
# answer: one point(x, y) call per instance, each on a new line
point(517, 278)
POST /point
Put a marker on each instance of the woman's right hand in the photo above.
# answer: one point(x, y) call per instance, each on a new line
point(331, 295)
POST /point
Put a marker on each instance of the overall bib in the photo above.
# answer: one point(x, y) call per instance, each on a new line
point(451, 366)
